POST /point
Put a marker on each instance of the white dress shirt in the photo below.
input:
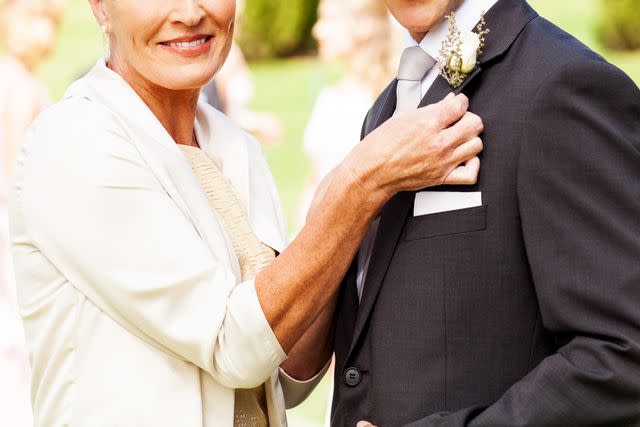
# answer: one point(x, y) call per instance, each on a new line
point(467, 17)
point(129, 287)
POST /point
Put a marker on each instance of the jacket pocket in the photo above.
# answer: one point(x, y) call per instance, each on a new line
point(446, 223)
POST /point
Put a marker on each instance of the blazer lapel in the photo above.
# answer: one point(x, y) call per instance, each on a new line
point(161, 154)
point(506, 20)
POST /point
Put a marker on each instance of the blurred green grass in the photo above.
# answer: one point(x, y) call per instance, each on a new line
point(288, 88)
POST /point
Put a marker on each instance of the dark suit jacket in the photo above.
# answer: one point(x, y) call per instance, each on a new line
point(525, 311)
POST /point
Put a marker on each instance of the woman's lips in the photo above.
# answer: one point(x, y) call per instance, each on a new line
point(188, 46)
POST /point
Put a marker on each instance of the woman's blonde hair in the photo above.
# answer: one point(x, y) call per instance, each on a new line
point(374, 43)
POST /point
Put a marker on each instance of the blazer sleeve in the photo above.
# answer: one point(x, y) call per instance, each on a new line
point(579, 194)
point(93, 207)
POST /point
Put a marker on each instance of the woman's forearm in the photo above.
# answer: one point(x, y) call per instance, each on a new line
point(301, 283)
point(311, 353)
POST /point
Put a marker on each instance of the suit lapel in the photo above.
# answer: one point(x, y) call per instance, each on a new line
point(386, 108)
point(506, 19)
point(392, 218)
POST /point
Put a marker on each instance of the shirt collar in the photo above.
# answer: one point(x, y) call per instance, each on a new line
point(467, 17)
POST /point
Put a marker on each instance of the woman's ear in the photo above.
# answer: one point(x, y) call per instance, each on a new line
point(100, 12)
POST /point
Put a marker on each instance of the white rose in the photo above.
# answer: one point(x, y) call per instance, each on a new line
point(466, 62)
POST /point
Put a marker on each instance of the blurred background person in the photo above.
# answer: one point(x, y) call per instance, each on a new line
point(233, 90)
point(360, 35)
point(27, 35)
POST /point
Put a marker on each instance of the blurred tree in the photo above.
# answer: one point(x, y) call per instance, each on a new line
point(277, 28)
point(620, 24)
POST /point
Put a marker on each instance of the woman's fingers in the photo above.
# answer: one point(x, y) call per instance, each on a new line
point(466, 174)
point(467, 128)
point(467, 151)
point(364, 424)
point(449, 111)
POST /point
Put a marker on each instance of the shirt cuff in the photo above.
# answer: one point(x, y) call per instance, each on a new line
point(296, 391)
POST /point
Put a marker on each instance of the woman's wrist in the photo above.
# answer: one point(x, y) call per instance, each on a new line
point(364, 188)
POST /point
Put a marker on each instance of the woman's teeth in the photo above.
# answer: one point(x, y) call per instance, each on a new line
point(188, 44)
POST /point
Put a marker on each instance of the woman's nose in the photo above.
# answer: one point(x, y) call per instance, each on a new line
point(188, 12)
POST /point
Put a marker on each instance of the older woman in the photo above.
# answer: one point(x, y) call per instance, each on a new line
point(145, 227)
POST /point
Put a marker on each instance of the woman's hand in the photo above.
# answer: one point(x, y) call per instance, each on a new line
point(430, 146)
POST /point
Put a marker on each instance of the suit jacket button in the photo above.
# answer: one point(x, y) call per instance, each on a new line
point(352, 377)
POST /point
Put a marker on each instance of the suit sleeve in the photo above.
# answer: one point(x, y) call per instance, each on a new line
point(579, 194)
point(95, 209)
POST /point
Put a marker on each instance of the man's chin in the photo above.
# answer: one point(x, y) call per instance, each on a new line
point(420, 26)
point(421, 18)
point(418, 35)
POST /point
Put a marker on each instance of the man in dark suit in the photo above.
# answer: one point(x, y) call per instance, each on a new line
point(514, 302)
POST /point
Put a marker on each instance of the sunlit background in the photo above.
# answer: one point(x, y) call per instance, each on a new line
point(288, 86)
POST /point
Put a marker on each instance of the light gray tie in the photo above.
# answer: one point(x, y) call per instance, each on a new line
point(414, 65)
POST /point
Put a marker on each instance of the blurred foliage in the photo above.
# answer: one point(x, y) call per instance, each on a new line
point(277, 28)
point(620, 24)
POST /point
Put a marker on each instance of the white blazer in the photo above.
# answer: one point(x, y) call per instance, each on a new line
point(128, 283)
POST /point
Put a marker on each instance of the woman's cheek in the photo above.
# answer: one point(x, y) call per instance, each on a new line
point(223, 11)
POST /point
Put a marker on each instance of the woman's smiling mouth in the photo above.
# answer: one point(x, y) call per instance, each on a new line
point(188, 46)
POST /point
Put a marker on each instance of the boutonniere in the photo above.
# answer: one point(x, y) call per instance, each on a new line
point(460, 51)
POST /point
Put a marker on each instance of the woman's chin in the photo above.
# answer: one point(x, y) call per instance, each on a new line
point(185, 77)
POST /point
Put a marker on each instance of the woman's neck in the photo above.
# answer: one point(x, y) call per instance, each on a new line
point(175, 109)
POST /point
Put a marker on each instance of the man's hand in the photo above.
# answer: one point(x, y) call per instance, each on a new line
point(364, 424)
